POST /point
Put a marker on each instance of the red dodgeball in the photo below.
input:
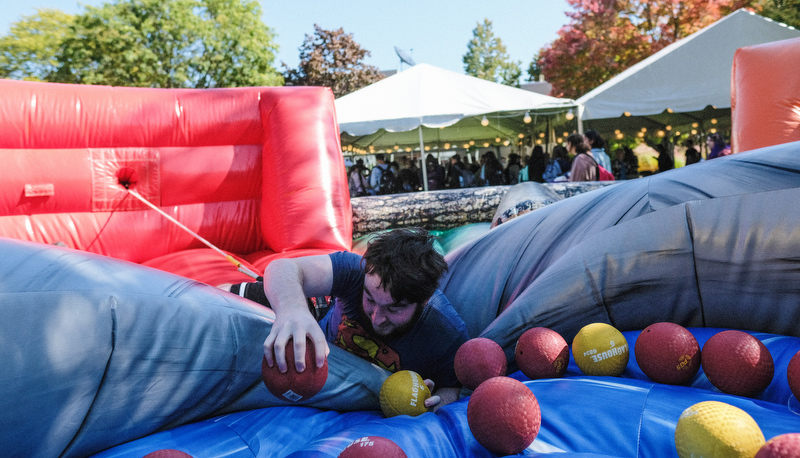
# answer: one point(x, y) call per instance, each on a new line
point(793, 375)
point(737, 363)
point(477, 360)
point(168, 453)
point(295, 386)
point(503, 415)
point(542, 353)
point(668, 353)
point(372, 446)
point(783, 446)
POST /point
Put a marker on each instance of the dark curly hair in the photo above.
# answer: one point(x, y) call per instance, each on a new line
point(407, 264)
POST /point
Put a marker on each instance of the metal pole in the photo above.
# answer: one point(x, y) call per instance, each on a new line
point(422, 160)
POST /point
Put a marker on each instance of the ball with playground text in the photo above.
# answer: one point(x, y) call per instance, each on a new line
point(478, 360)
point(717, 429)
point(542, 353)
point(600, 349)
point(503, 415)
point(736, 362)
point(667, 353)
point(404, 393)
point(293, 386)
point(372, 447)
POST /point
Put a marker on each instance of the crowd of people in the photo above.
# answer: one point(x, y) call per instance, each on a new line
point(583, 158)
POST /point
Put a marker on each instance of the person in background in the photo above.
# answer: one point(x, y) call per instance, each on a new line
point(454, 171)
point(537, 165)
point(692, 155)
point(632, 163)
point(435, 173)
point(618, 165)
point(356, 179)
point(598, 148)
point(491, 170)
point(716, 146)
point(375, 174)
point(584, 167)
point(512, 169)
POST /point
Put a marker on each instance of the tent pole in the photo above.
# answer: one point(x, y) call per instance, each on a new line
point(579, 118)
point(422, 161)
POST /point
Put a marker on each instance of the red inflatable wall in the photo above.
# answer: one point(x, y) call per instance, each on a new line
point(255, 171)
point(765, 95)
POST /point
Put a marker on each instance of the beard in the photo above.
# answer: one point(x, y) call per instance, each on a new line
point(397, 332)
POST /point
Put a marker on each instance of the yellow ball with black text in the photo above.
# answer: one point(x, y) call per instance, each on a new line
point(404, 393)
point(600, 349)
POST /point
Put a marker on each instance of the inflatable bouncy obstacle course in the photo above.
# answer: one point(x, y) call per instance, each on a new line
point(106, 357)
point(232, 165)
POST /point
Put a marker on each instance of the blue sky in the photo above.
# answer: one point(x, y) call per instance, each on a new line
point(433, 32)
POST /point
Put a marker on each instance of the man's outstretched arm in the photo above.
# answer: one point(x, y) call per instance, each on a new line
point(287, 284)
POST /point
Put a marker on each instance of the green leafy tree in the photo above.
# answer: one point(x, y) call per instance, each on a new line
point(332, 58)
point(29, 51)
point(785, 11)
point(170, 43)
point(487, 58)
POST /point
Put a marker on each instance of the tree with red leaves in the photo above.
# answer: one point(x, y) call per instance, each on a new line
point(604, 37)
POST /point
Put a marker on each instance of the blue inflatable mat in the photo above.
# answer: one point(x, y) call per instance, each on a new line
point(627, 416)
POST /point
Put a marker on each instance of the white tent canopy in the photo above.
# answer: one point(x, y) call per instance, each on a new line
point(686, 76)
point(428, 96)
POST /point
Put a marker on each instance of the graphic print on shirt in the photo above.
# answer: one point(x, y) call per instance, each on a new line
point(355, 339)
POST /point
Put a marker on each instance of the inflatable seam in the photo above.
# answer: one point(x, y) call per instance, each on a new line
point(78, 434)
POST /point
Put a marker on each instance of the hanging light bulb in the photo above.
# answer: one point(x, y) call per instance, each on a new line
point(447, 146)
point(713, 120)
point(486, 144)
point(484, 121)
point(527, 118)
point(521, 135)
point(497, 140)
point(569, 115)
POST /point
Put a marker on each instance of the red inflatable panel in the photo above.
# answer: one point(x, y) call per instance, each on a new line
point(251, 170)
point(310, 194)
point(48, 115)
point(765, 95)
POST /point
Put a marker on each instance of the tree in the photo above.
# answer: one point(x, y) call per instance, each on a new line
point(29, 51)
point(604, 37)
point(785, 11)
point(332, 58)
point(486, 57)
point(170, 43)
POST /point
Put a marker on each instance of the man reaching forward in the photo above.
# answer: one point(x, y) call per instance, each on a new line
point(386, 309)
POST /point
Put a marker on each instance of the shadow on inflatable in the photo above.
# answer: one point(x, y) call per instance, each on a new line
point(109, 358)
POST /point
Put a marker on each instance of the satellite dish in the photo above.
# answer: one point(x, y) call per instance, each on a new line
point(404, 57)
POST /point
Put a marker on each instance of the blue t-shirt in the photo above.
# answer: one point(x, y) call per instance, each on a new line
point(429, 348)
